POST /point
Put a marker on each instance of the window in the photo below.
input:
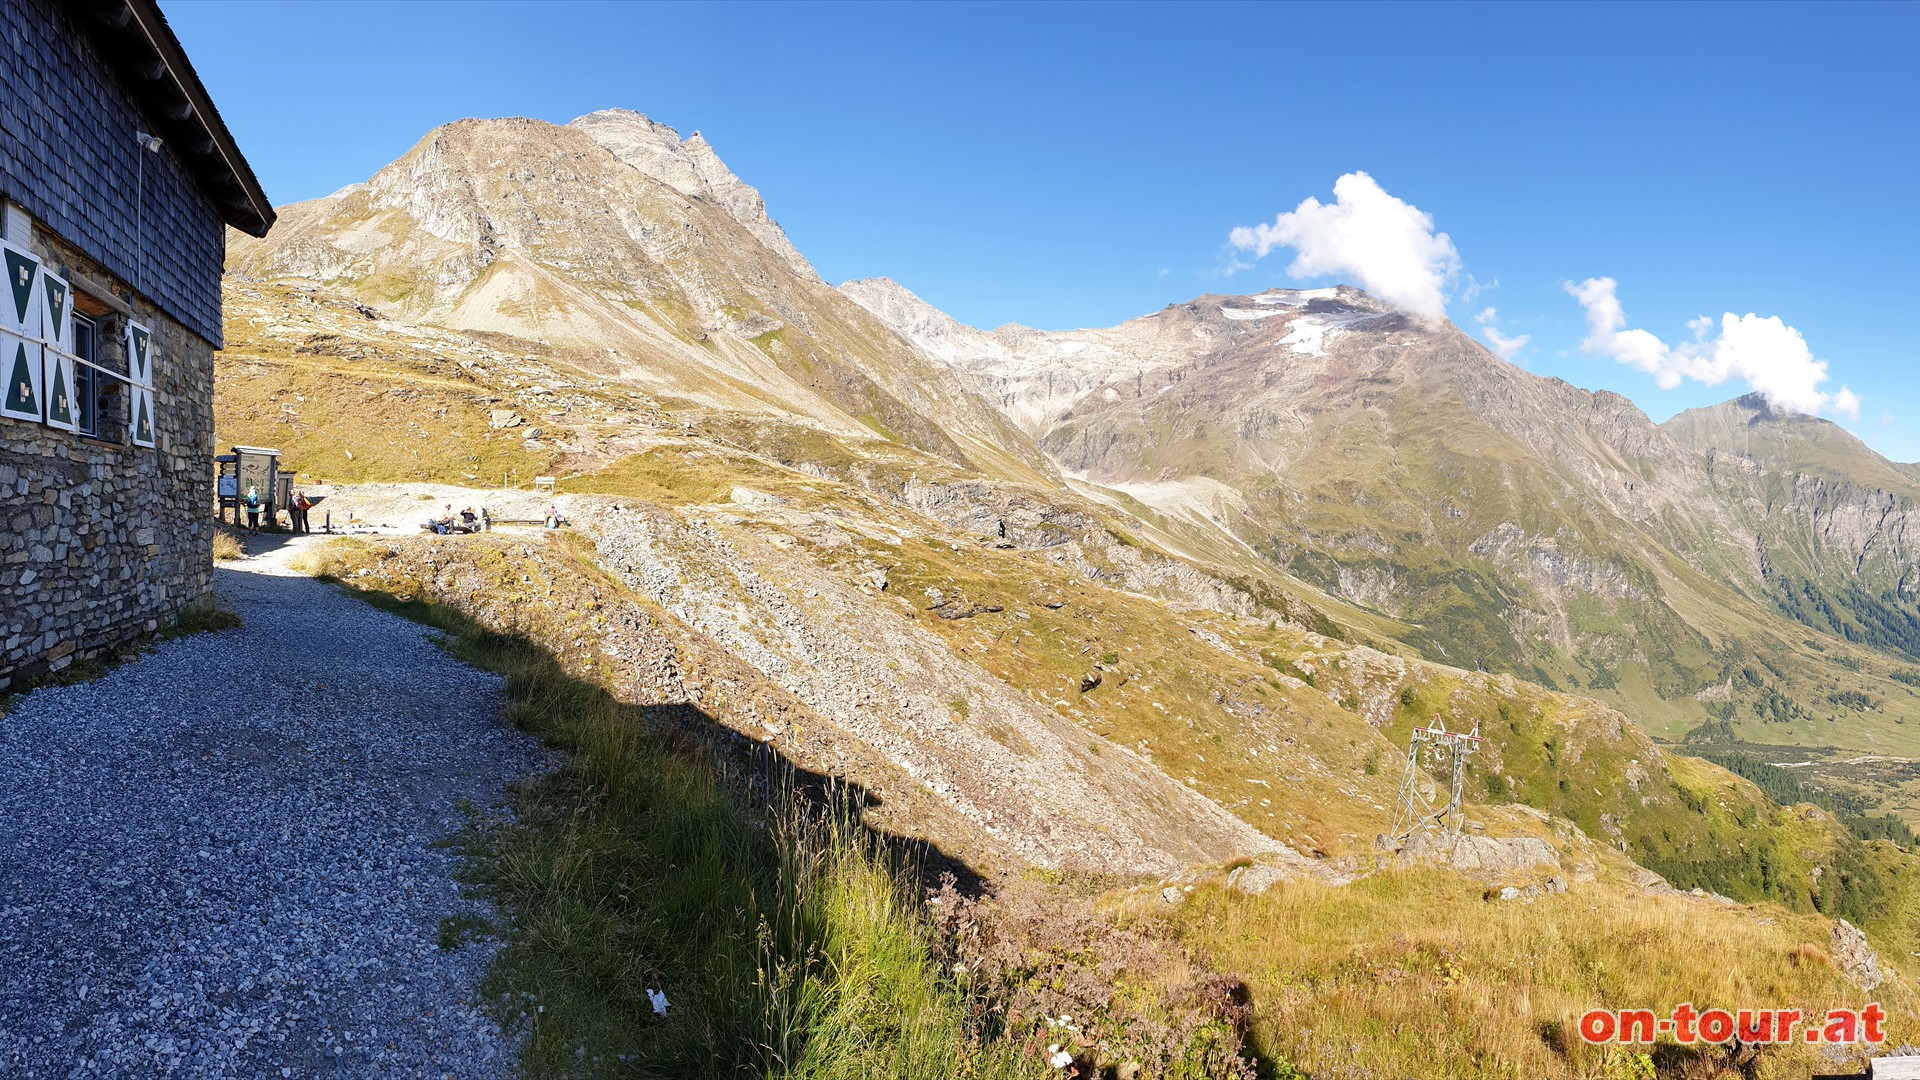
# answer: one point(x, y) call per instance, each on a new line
point(86, 381)
point(56, 363)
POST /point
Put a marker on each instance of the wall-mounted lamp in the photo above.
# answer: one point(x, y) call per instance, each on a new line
point(151, 144)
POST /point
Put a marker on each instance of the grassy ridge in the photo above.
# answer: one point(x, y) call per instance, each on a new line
point(1459, 987)
point(1691, 820)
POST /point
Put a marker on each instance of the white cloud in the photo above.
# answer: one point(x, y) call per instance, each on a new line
point(1886, 420)
point(1504, 347)
point(1768, 355)
point(1387, 246)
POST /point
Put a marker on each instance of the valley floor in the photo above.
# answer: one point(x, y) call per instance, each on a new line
point(219, 859)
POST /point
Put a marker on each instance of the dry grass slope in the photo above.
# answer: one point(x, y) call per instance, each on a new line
point(1417, 971)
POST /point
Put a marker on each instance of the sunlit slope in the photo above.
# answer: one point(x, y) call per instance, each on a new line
point(546, 234)
point(1494, 518)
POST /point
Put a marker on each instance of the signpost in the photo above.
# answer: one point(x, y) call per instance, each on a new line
point(250, 467)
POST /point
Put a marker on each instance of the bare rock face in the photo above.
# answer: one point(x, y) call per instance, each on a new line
point(1853, 957)
point(614, 240)
point(690, 167)
point(1487, 856)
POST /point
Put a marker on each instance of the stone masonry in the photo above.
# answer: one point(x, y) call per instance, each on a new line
point(103, 541)
point(118, 174)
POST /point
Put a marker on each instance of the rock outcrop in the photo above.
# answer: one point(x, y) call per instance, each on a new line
point(1853, 957)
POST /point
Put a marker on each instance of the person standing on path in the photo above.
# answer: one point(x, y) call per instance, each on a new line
point(297, 510)
point(252, 502)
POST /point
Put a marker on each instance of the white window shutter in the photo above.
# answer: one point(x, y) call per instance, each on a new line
point(139, 355)
point(23, 397)
point(20, 294)
point(56, 329)
point(141, 417)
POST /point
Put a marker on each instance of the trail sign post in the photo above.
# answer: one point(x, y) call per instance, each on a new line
point(255, 467)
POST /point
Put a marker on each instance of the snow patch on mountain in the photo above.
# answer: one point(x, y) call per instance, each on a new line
point(1310, 333)
point(1296, 297)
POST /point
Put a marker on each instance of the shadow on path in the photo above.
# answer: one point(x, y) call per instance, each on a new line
point(218, 857)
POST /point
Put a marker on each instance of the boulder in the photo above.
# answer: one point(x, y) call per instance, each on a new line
point(1256, 878)
point(1853, 957)
point(1482, 854)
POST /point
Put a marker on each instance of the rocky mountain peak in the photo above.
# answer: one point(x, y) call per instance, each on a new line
point(1749, 427)
point(691, 167)
point(920, 322)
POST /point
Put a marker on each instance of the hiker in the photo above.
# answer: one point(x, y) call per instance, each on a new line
point(469, 522)
point(553, 517)
point(297, 510)
point(252, 503)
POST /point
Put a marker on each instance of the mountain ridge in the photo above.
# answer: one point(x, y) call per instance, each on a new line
point(1302, 409)
point(541, 232)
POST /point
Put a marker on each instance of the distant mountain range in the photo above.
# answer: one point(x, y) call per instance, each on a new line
point(1493, 518)
point(1704, 569)
point(1288, 477)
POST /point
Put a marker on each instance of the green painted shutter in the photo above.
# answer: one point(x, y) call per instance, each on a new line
point(56, 328)
point(20, 360)
point(22, 398)
point(19, 294)
point(139, 354)
point(141, 417)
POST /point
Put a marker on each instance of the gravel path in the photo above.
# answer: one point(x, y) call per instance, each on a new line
point(215, 861)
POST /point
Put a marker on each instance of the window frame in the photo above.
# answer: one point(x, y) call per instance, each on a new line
point(86, 374)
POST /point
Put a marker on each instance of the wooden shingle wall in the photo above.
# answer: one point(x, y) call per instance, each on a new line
point(68, 156)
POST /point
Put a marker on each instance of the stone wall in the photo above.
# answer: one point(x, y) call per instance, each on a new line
point(102, 541)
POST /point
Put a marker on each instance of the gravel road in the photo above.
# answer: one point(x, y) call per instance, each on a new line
point(216, 860)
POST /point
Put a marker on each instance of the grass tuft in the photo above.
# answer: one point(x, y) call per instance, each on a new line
point(202, 619)
point(227, 545)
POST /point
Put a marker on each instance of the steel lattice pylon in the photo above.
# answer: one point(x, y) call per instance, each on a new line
point(1416, 811)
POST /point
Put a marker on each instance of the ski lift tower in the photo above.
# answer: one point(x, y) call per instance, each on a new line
point(1416, 812)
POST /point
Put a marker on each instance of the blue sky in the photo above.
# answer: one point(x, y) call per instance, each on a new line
point(1075, 165)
